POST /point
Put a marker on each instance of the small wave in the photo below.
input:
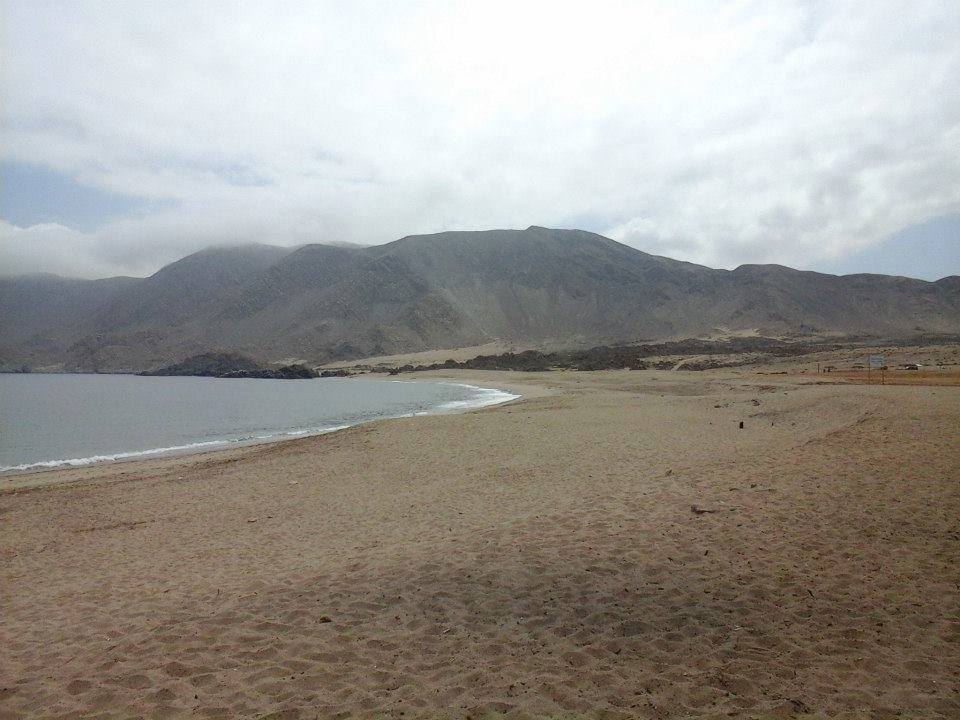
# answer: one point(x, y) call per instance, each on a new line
point(79, 462)
point(482, 401)
point(173, 449)
point(484, 398)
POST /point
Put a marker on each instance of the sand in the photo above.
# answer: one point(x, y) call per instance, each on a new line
point(611, 545)
point(429, 357)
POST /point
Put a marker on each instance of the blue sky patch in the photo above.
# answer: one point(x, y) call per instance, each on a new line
point(31, 194)
point(929, 250)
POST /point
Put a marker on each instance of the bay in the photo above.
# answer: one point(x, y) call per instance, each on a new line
point(49, 421)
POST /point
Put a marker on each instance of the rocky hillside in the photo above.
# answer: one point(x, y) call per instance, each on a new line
point(323, 302)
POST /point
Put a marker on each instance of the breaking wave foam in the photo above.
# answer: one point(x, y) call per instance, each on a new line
point(484, 398)
point(172, 450)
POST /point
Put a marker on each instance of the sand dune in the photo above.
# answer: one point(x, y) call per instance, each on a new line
point(613, 545)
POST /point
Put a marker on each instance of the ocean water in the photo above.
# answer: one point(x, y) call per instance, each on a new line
point(49, 421)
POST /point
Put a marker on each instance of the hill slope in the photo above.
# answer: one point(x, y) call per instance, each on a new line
point(322, 302)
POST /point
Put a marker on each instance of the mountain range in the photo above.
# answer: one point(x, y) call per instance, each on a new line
point(322, 302)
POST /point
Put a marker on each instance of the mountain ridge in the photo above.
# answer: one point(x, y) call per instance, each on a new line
point(321, 302)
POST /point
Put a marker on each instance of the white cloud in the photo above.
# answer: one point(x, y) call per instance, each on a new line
point(50, 248)
point(747, 132)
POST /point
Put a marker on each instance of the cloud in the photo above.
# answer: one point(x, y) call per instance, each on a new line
point(50, 248)
point(788, 132)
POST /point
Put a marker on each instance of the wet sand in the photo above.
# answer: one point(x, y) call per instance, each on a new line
point(612, 545)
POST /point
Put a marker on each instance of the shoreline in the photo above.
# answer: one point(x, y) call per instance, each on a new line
point(613, 545)
point(15, 479)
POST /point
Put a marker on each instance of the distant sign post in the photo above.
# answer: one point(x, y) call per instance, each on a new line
point(875, 362)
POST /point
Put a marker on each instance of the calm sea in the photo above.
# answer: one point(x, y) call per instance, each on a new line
point(60, 420)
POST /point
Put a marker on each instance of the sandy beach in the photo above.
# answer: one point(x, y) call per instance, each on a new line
point(611, 545)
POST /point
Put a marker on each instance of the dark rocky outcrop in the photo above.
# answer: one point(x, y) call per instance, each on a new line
point(284, 372)
point(339, 372)
point(232, 365)
point(209, 364)
point(631, 357)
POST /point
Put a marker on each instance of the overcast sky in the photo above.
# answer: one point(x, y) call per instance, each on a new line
point(813, 134)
